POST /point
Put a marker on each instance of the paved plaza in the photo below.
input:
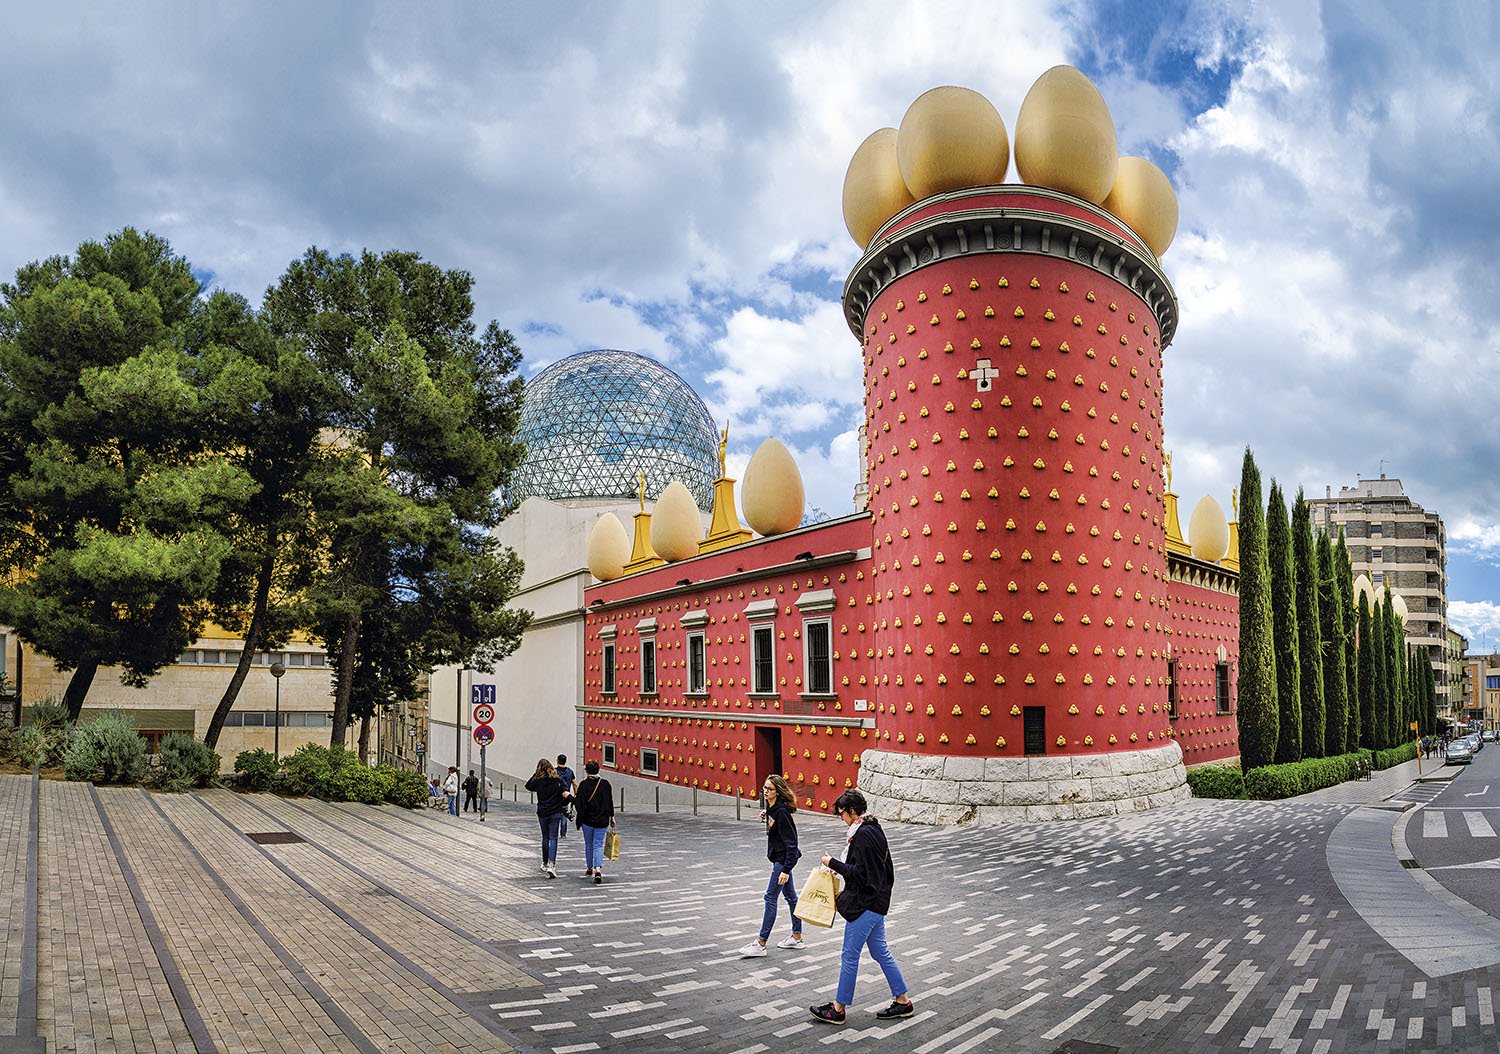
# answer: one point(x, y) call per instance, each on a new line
point(216, 921)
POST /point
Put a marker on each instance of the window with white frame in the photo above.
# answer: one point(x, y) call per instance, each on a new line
point(648, 666)
point(697, 663)
point(609, 669)
point(761, 615)
point(609, 755)
point(649, 762)
point(817, 656)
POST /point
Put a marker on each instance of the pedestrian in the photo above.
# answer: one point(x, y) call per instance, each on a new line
point(471, 792)
point(781, 849)
point(594, 801)
point(869, 875)
point(434, 792)
point(450, 788)
point(486, 788)
point(550, 802)
point(567, 776)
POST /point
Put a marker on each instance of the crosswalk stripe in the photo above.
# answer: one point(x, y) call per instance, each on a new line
point(1479, 827)
point(1434, 825)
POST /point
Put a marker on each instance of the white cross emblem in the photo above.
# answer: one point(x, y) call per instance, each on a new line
point(983, 375)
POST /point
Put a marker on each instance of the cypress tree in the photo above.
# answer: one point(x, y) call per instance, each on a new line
point(1284, 628)
point(1368, 729)
point(1309, 630)
point(1430, 700)
point(1349, 611)
point(1380, 689)
point(1257, 714)
point(1395, 655)
point(1415, 689)
point(1331, 603)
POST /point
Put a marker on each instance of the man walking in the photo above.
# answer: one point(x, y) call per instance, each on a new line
point(567, 776)
point(471, 792)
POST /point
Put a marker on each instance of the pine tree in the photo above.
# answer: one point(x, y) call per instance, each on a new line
point(1331, 603)
point(1284, 638)
point(1309, 629)
point(1257, 711)
point(1349, 611)
point(1369, 734)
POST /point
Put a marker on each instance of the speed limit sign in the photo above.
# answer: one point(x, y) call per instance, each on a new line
point(484, 713)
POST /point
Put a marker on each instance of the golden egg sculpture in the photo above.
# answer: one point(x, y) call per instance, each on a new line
point(1364, 592)
point(873, 188)
point(608, 548)
point(1399, 607)
point(1065, 137)
point(771, 492)
point(1208, 530)
point(1144, 199)
point(951, 138)
point(676, 525)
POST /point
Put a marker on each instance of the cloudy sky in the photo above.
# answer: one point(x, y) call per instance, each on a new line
point(666, 179)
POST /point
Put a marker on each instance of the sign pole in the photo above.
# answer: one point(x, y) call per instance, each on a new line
point(484, 799)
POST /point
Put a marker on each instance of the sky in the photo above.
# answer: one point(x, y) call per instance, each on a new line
point(666, 179)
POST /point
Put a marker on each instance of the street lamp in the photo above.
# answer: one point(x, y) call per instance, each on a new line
point(277, 669)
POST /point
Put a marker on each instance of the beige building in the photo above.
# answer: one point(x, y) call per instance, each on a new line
point(1458, 648)
point(1398, 544)
point(1480, 689)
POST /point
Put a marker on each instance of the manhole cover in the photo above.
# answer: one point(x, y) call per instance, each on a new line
point(276, 838)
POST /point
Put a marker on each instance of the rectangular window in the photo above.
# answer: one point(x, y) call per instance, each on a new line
point(1379, 577)
point(255, 719)
point(297, 658)
point(817, 654)
point(649, 762)
point(1375, 554)
point(229, 658)
point(319, 659)
point(609, 670)
point(763, 660)
point(609, 755)
point(697, 660)
point(208, 657)
point(648, 666)
point(188, 658)
point(1221, 687)
point(233, 720)
point(1171, 687)
point(1034, 729)
point(1492, 682)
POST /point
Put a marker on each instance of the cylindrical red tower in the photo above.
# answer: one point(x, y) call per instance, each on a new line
point(1012, 340)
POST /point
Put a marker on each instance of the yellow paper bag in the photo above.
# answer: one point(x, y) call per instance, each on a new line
point(611, 845)
point(815, 900)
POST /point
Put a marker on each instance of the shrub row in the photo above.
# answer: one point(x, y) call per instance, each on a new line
point(333, 774)
point(1385, 759)
point(1216, 782)
point(1272, 782)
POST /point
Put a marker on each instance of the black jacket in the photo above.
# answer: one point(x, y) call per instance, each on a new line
point(781, 837)
point(549, 794)
point(869, 874)
point(471, 784)
point(594, 802)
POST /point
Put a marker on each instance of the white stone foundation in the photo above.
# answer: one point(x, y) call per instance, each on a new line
point(926, 788)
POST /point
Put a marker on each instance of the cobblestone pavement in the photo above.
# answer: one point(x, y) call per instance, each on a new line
point(1207, 926)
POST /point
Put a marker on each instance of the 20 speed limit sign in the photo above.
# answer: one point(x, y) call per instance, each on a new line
point(484, 713)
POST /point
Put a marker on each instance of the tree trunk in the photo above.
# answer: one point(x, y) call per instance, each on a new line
point(252, 642)
point(344, 690)
point(364, 739)
point(78, 687)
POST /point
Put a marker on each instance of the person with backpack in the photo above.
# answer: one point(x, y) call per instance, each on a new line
point(551, 799)
point(567, 776)
point(594, 802)
point(471, 792)
point(782, 851)
point(869, 876)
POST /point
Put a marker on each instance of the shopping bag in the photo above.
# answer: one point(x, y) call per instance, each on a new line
point(611, 845)
point(815, 900)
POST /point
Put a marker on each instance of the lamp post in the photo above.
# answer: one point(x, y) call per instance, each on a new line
point(277, 669)
point(458, 716)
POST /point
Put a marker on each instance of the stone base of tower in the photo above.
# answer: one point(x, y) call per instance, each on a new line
point(925, 788)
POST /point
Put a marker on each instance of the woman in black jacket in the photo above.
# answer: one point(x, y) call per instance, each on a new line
point(782, 851)
point(595, 804)
point(869, 875)
point(550, 802)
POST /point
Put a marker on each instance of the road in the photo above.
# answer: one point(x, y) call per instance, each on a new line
point(1454, 836)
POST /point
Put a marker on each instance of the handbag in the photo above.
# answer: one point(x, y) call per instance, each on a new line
point(817, 897)
point(612, 845)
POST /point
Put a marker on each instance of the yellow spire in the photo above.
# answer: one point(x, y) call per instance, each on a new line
point(1176, 543)
point(642, 556)
point(724, 530)
point(1232, 558)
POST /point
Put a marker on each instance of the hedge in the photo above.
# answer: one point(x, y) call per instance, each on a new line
point(1385, 759)
point(1273, 782)
point(1216, 782)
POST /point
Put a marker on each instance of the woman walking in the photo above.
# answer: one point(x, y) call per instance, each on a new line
point(782, 851)
point(550, 802)
point(869, 875)
point(594, 803)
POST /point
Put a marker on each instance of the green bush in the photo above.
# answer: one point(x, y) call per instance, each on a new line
point(48, 714)
point(310, 771)
point(45, 735)
point(32, 746)
point(1216, 782)
point(257, 768)
point(408, 789)
point(1385, 759)
point(7, 741)
point(107, 750)
point(1273, 782)
point(184, 762)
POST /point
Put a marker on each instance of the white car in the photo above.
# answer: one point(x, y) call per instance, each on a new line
point(1458, 753)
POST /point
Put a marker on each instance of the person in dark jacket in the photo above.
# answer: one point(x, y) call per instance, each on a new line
point(594, 803)
point(782, 851)
point(471, 792)
point(550, 801)
point(568, 777)
point(869, 875)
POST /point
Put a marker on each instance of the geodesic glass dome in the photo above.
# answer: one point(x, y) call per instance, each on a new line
point(591, 421)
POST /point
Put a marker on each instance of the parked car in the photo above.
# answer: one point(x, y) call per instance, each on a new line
point(1490, 735)
point(1458, 753)
point(1475, 741)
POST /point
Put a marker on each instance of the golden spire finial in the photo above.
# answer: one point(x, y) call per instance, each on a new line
point(723, 449)
point(640, 478)
point(1234, 500)
point(1166, 461)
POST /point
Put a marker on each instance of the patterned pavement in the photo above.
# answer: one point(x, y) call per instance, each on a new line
point(1207, 926)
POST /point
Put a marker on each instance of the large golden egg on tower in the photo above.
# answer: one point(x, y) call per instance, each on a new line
point(1065, 137)
point(951, 138)
point(771, 492)
point(1208, 530)
point(873, 188)
point(676, 526)
point(1363, 592)
point(1399, 607)
point(1143, 198)
point(608, 548)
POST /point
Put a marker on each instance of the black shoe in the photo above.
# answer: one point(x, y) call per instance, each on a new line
point(896, 1009)
point(828, 1014)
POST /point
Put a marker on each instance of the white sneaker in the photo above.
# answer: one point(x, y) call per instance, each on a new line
point(791, 942)
point(753, 950)
point(551, 871)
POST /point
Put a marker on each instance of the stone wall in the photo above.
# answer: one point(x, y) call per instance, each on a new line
point(920, 788)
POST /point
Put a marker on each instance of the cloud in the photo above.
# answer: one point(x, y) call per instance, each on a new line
point(1478, 621)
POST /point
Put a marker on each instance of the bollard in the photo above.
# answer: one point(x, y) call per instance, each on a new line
point(736, 808)
point(658, 797)
point(515, 791)
point(622, 799)
point(695, 801)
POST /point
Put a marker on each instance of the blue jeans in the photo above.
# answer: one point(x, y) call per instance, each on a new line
point(593, 846)
point(774, 892)
point(453, 805)
point(868, 929)
point(551, 825)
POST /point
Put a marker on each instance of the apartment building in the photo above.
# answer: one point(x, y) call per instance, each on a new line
point(1458, 649)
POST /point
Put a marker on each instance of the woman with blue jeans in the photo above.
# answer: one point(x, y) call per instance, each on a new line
point(550, 802)
point(782, 851)
point(869, 876)
point(594, 802)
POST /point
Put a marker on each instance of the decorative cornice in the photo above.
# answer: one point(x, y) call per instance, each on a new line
point(992, 229)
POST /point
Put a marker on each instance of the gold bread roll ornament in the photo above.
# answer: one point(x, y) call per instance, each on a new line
point(1065, 136)
point(951, 138)
point(608, 548)
point(873, 188)
point(676, 524)
point(1143, 198)
point(771, 492)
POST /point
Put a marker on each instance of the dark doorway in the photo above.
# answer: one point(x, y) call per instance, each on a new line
point(1034, 720)
point(767, 754)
